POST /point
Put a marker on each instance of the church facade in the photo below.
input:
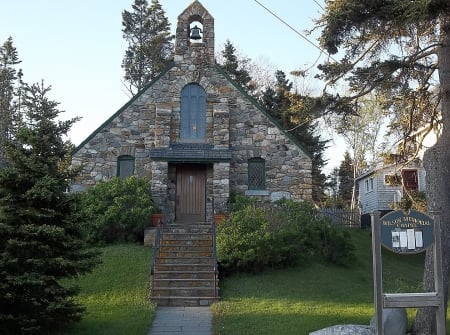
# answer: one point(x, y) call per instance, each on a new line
point(197, 135)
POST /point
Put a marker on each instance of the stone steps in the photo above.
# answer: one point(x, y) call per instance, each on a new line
point(184, 273)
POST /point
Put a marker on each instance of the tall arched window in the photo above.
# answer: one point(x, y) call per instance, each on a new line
point(193, 113)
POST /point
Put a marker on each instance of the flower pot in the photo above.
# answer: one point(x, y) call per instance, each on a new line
point(220, 217)
point(156, 219)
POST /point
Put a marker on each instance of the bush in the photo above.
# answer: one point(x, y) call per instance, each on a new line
point(280, 234)
point(117, 210)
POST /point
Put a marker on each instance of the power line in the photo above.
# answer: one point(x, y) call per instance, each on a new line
point(295, 30)
point(318, 4)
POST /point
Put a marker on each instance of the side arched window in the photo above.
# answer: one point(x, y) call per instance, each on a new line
point(193, 113)
point(125, 166)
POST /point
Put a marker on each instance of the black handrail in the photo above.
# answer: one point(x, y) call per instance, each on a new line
point(158, 238)
point(216, 269)
point(156, 246)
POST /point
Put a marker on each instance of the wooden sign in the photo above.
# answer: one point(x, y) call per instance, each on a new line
point(407, 232)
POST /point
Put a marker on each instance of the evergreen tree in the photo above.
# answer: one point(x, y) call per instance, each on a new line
point(399, 49)
point(295, 114)
point(8, 76)
point(332, 186)
point(347, 187)
point(40, 235)
point(150, 48)
point(234, 67)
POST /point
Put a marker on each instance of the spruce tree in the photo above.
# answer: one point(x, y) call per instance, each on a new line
point(41, 241)
point(9, 59)
point(295, 114)
point(347, 187)
point(150, 48)
point(234, 67)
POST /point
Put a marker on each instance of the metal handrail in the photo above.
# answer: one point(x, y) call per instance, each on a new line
point(216, 269)
point(158, 237)
point(156, 246)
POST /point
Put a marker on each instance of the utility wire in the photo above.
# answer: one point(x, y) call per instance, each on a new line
point(295, 30)
point(318, 4)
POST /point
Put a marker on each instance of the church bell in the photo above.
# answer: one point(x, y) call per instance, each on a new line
point(195, 33)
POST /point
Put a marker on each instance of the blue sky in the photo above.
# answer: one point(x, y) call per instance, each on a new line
point(76, 46)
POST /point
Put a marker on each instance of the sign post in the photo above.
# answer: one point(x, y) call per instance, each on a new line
point(406, 233)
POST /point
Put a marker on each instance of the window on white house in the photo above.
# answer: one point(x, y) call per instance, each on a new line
point(392, 179)
point(125, 166)
point(368, 184)
point(410, 179)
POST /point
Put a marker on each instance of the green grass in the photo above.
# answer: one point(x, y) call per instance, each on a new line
point(116, 293)
point(307, 298)
point(276, 302)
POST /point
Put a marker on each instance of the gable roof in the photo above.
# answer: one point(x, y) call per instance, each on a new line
point(229, 79)
point(123, 108)
point(262, 110)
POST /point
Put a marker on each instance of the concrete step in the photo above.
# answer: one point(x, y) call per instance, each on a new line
point(185, 260)
point(184, 254)
point(184, 283)
point(182, 247)
point(186, 236)
point(184, 267)
point(187, 241)
point(184, 291)
point(184, 301)
point(183, 275)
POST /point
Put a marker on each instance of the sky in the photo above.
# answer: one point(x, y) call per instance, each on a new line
point(76, 47)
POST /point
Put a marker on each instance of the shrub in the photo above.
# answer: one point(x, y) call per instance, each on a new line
point(117, 210)
point(281, 234)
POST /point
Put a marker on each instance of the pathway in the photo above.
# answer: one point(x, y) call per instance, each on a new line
point(182, 321)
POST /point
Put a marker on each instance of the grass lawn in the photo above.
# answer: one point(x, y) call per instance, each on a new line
point(116, 293)
point(276, 302)
point(307, 298)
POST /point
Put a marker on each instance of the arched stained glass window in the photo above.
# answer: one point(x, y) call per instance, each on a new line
point(193, 113)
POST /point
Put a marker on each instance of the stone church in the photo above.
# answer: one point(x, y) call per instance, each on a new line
point(197, 135)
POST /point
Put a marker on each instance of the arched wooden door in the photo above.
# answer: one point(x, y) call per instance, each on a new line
point(191, 193)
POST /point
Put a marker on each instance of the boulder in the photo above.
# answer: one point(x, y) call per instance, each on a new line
point(395, 321)
point(345, 330)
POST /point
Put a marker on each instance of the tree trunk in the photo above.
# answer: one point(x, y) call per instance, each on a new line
point(437, 166)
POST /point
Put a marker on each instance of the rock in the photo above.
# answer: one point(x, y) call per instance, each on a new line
point(345, 330)
point(395, 321)
point(149, 237)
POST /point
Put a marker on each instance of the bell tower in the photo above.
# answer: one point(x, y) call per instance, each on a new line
point(194, 40)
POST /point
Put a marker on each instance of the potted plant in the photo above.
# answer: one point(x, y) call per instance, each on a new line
point(156, 217)
point(220, 216)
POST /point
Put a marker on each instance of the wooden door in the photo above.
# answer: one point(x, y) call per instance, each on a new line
point(191, 186)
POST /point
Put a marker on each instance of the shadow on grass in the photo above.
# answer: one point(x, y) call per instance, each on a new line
point(311, 297)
